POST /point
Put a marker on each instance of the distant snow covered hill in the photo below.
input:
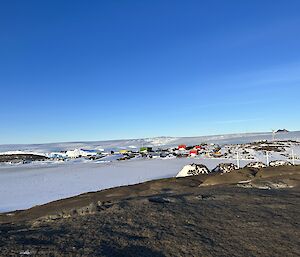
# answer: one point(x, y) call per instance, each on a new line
point(151, 142)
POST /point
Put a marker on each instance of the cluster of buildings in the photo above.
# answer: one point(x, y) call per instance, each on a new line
point(182, 150)
point(208, 150)
point(257, 151)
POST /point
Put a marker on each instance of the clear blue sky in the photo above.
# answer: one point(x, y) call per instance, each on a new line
point(93, 70)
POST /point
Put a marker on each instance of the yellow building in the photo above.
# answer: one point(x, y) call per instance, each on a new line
point(218, 153)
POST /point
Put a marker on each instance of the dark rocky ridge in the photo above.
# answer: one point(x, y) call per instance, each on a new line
point(21, 157)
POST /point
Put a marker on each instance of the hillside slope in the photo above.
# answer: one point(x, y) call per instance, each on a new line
point(169, 217)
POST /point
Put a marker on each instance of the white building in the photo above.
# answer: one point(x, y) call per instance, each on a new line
point(80, 153)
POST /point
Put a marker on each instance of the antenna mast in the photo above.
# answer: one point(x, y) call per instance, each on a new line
point(267, 156)
point(293, 157)
point(238, 159)
point(273, 135)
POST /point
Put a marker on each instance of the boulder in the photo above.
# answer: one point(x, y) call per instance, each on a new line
point(193, 170)
point(256, 165)
point(279, 163)
point(225, 167)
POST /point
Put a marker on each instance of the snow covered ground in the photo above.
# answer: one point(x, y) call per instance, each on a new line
point(25, 185)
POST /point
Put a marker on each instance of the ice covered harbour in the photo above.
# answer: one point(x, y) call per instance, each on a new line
point(24, 186)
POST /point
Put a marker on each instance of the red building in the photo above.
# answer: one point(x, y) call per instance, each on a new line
point(181, 147)
point(193, 152)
